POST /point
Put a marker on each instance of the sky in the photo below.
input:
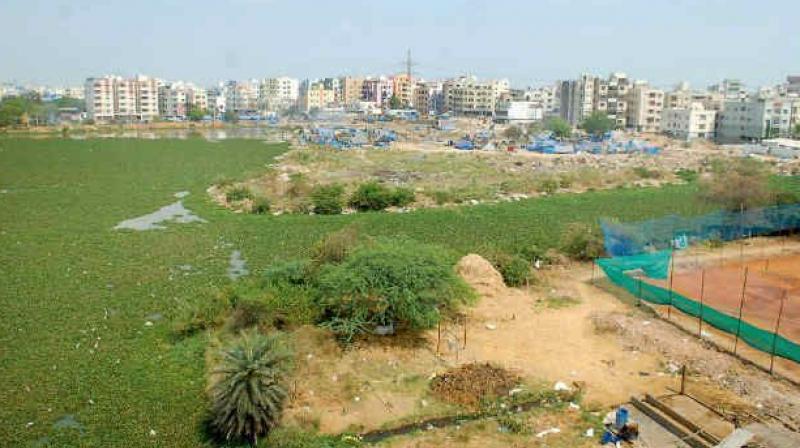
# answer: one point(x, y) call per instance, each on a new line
point(530, 42)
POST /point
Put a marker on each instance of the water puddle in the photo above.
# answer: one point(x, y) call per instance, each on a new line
point(174, 212)
point(237, 266)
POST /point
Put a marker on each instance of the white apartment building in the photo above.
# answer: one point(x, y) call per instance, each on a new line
point(546, 97)
point(314, 95)
point(689, 123)
point(468, 97)
point(518, 112)
point(275, 94)
point(241, 97)
point(112, 98)
point(645, 105)
point(177, 100)
point(758, 118)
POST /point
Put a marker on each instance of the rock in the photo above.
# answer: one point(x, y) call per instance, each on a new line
point(561, 386)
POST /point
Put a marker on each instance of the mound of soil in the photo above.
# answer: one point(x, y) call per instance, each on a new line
point(470, 383)
point(480, 274)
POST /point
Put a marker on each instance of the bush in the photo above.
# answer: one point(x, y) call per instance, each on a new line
point(335, 247)
point(399, 283)
point(207, 312)
point(239, 193)
point(582, 242)
point(687, 175)
point(371, 196)
point(260, 206)
point(287, 273)
point(646, 173)
point(516, 271)
point(294, 438)
point(402, 197)
point(327, 199)
point(247, 400)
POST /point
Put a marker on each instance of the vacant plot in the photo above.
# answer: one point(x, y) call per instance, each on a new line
point(87, 348)
point(442, 177)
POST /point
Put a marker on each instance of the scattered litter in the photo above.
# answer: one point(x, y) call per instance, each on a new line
point(154, 317)
point(174, 212)
point(181, 194)
point(548, 431)
point(491, 326)
point(560, 386)
point(152, 432)
point(589, 432)
point(148, 324)
point(515, 391)
point(647, 322)
point(237, 266)
point(574, 406)
point(424, 403)
point(357, 399)
point(29, 424)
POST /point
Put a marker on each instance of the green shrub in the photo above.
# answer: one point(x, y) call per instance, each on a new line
point(247, 314)
point(327, 199)
point(286, 273)
point(786, 197)
point(516, 271)
point(532, 252)
point(399, 283)
point(289, 307)
point(208, 311)
point(239, 193)
point(402, 197)
point(371, 196)
point(582, 242)
point(646, 173)
point(687, 175)
point(335, 246)
point(260, 206)
point(442, 197)
point(247, 400)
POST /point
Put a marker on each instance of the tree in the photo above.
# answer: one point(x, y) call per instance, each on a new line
point(247, 400)
point(796, 131)
point(559, 127)
point(196, 114)
point(597, 123)
point(737, 183)
point(534, 128)
point(395, 103)
point(513, 133)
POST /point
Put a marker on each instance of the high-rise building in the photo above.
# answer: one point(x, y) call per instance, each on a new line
point(689, 123)
point(645, 105)
point(314, 95)
point(275, 94)
point(429, 98)
point(577, 98)
point(378, 91)
point(352, 90)
point(403, 88)
point(113, 98)
point(467, 96)
point(757, 118)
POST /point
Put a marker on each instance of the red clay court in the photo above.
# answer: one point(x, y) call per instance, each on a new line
point(767, 282)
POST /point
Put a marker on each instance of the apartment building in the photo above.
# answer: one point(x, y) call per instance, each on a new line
point(351, 90)
point(275, 94)
point(178, 99)
point(403, 88)
point(645, 105)
point(215, 102)
point(611, 97)
point(467, 96)
point(429, 98)
point(689, 123)
point(241, 97)
point(577, 98)
point(730, 89)
point(113, 98)
point(377, 91)
point(314, 95)
point(758, 118)
point(546, 97)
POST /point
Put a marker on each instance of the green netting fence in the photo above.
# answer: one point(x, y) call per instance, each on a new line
point(656, 265)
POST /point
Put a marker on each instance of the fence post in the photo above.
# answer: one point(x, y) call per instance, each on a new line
point(741, 304)
point(702, 294)
point(683, 379)
point(775, 333)
point(671, 272)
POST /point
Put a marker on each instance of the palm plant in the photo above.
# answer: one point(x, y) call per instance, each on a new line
point(248, 399)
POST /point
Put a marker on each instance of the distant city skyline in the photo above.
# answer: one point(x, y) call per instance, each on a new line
point(530, 43)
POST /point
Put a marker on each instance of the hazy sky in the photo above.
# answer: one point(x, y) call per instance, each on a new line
point(530, 42)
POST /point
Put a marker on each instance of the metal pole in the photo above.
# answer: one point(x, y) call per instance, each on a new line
point(671, 272)
point(741, 232)
point(702, 294)
point(741, 304)
point(775, 333)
